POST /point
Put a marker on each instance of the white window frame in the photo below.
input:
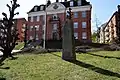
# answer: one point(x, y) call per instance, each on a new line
point(37, 27)
point(75, 24)
point(37, 37)
point(75, 14)
point(71, 3)
point(55, 27)
point(79, 3)
point(84, 35)
point(84, 14)
point(76, 35)
point(84, 25)
point(41, 7)
point(35, 8)
point(31, 37)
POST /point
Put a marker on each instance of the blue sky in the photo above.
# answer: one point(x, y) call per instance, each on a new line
point(103, 9)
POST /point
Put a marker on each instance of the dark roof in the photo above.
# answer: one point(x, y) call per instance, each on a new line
point(66, 4)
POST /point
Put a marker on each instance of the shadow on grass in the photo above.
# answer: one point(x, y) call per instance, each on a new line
point(96, 69)
point(4, 67)
point(102, 56)
point(2, 78)
point(92, 67)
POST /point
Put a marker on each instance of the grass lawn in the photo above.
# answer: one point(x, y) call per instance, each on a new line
point(102, 65)
point(19, 46)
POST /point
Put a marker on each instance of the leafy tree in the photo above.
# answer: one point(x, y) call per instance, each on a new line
point(9, 32)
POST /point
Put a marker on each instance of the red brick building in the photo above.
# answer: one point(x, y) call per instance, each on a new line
point(46, 21)
point(21, 24)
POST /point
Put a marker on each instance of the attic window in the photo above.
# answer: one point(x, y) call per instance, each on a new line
point(71, 3)
point(35, 9)
point(41, 7)
point(79, 2)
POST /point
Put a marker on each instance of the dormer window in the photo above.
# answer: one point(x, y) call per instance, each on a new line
point(71, 3)
point(41, 7)
point(79, 2)
point(35, 9)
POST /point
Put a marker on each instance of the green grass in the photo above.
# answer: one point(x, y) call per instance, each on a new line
point(102, 65)
point(19, 46)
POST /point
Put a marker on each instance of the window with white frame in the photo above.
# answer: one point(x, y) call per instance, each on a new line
point(31, 28)
point(41, 7)
point(55, 27)
point(31, 19)
point(31, 37)
point(71, 3)
point(75, 14)
point(84, 35)
point(83, 14)
point(35, 8)
point(38, 18)
point(84, 25)
point(76, 35)
point(75, 24)
point(37, 27)
point(79, 2)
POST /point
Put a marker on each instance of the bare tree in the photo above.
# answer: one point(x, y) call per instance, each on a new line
point(9, 32)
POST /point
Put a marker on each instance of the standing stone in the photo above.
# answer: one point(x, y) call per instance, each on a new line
point(68, 52)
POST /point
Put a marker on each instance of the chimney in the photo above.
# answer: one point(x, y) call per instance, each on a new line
point(57, 0)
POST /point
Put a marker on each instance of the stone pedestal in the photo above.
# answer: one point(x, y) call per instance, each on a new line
point(68, 52)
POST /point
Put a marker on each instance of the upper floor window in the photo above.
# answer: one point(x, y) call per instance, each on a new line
point(35, 8)
point(79, 2)
point(41, 7)
point(55, 17)
point(71, 3)
point(84, 24)
point(83, 14)
point(75, 24)
point(75, 14)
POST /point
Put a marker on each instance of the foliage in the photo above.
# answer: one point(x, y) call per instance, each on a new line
point(9, 32)
point(94, 35)
point(103, 65)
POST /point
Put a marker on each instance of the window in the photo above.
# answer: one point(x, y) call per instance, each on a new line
point(76, 35)
point(75, 14)
point(35, 8)
point(55, 17)
point(84, 35)
point(84, 25)
point(31, 37)
point(71, 3)
point(31, 19)
point(79, 2)
point(75, 24)
point(83, 14)
point(55, 27)
point(41, 7)
point(34, 18)
point(31, 28)
point(37, 28)
point(38, 18)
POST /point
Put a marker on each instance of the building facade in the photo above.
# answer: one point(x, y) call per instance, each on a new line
point(46, 21)
point(111, 29)
point(20, 23)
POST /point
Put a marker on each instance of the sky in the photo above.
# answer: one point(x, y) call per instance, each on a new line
point(102, 10)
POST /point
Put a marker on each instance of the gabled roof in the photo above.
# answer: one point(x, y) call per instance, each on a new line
point(66, 4)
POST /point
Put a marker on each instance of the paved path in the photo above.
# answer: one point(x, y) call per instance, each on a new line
point(12, 52)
